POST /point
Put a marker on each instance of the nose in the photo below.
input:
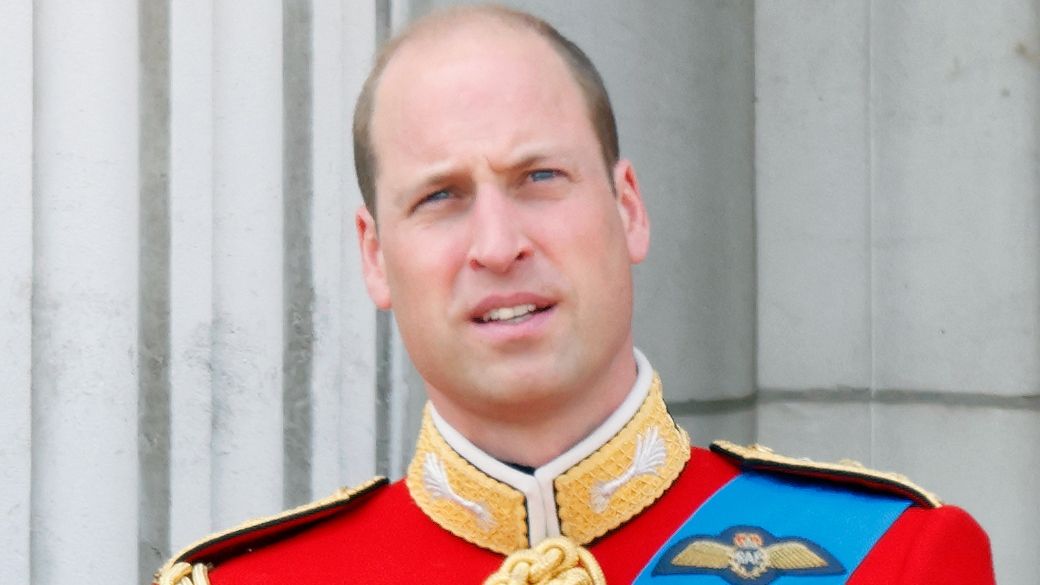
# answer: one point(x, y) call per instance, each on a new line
point(497, 237)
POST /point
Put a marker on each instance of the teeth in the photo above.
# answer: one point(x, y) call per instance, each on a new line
point(507, 313)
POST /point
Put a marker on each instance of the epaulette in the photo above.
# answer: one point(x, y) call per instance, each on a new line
point(757, 457)
point(190, 566)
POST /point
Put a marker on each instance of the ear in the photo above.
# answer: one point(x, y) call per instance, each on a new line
point(632, 211)
point(372, 258)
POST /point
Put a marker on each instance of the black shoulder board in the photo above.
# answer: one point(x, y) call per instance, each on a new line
point(846, 471)
point(190, 565)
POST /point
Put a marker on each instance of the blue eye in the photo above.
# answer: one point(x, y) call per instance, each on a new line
point(436, 196)
point(543, 175)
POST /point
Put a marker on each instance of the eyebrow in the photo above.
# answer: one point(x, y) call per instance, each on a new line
point(531, 154)
point(437, 173)
point(444, 171)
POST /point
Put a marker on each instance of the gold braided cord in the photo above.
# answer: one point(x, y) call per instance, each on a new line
point(555, 561)
point(185, 574)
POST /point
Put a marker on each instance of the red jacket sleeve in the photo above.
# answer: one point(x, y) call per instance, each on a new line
point(939, 545)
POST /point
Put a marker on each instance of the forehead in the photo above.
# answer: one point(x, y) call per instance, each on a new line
point(484, 82)
point(473, 46)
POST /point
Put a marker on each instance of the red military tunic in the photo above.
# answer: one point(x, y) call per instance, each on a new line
point(622, 494)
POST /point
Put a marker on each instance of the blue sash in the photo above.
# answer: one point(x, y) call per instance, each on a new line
point(763, 527)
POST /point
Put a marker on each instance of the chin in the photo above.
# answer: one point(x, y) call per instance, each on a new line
point(526, 388)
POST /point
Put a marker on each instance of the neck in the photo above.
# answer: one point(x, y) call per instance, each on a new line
point(531, 434)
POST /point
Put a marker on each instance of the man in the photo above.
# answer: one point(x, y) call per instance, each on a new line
point(500, 225)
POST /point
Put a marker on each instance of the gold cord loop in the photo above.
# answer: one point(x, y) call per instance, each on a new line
point(185, 574)
point(555, 561)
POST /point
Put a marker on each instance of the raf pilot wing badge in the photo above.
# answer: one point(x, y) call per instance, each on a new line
point(747, 555)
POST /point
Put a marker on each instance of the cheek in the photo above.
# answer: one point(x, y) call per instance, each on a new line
point(587, 230)
point(587, 244)
point(420, 268)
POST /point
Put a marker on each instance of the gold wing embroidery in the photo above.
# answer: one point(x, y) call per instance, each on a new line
point(793, 555)
point(704, 554)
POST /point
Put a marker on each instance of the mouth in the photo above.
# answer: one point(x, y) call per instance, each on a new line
point(512, 314)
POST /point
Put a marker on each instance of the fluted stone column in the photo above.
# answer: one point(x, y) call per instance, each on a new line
point(84, 310)
point(247, 259)
point(343, 382)
point(16, 267)
point(191, 269)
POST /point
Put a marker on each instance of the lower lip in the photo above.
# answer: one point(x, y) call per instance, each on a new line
point(507, 331)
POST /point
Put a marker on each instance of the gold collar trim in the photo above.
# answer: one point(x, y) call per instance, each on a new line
point(619, 479)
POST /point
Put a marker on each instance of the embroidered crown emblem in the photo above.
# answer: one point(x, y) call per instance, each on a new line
point(747, 555)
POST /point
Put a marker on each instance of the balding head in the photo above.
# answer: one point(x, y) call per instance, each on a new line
point(454, 21)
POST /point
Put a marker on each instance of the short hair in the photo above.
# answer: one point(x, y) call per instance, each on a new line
point(600, 112)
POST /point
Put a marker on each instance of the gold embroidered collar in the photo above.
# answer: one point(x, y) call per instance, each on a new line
point(616, 472)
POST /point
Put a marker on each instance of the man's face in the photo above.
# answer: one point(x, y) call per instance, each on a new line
point(501, 245)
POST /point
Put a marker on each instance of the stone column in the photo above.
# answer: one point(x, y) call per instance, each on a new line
point(16, 267)
point(84, 310)
point(247, 261)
